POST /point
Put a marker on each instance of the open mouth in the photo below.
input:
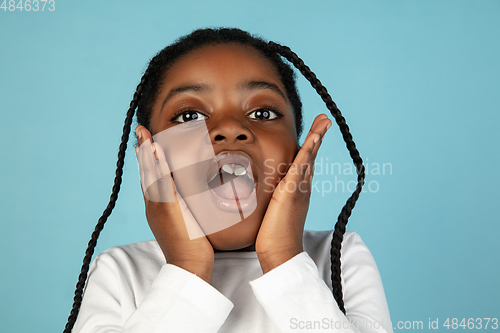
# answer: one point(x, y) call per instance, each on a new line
point(242, 186)
point(232, 182)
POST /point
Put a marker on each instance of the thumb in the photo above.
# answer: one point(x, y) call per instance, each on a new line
point(142, 134)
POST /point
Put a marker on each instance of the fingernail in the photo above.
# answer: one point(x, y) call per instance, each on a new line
point(328, 126)
point(315, 139)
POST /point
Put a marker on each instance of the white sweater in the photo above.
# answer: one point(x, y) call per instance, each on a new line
point(131, 289)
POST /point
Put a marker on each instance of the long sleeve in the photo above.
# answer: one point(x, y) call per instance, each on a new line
point(297, 299)
point(131, 289)
point(177, 301)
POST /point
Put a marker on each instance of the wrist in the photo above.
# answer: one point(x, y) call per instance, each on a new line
point(270, 260)
point(202, 270)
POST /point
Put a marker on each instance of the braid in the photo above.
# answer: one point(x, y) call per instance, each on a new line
point(338, 234)
point(146, 93)
point(112, 200)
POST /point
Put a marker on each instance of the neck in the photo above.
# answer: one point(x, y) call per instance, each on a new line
point(245, 249)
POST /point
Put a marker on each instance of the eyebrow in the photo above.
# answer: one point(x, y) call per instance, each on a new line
point(201, 88)
point(181, 89)
point(261, 85)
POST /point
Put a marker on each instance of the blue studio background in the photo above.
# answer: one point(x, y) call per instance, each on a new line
point(417, 81)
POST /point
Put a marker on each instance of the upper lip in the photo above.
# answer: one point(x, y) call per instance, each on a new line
point(231, 156)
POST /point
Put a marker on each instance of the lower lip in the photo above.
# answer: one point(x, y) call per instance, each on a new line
point(236, 205)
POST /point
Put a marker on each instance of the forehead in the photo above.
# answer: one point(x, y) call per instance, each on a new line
point(227, 63)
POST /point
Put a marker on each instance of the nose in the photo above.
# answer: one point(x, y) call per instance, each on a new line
point(230, 131)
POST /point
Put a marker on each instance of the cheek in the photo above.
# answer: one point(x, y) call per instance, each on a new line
point(278, 159)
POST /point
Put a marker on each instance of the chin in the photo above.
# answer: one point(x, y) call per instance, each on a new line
point(236, 237)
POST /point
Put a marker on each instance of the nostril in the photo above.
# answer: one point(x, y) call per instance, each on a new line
point(241, 137)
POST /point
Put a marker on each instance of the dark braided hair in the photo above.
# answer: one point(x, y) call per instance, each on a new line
point(339, 232)
point(162, 62)
point(147, 92)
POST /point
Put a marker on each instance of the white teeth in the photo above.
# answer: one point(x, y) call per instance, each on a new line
point(227, 168)
point(233, 168)
point(240, 171)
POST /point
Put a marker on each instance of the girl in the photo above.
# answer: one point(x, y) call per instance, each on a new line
point(226, 189)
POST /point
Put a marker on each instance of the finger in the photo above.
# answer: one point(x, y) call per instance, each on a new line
point(193, 228)
point(300, 164)
point(317, 119)
point(143, 135)
point(309, 170)
point(321, 127)
point(149, 169)
point(317, 124)
point(318, 129)
point(304, 155)
point(164, 192)
point(141, 173)
point(306, 170)
point(166, 185)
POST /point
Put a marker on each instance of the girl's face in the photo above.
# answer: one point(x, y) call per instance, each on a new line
point(236, 92)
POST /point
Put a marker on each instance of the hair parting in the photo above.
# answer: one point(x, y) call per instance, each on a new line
point(146, 92)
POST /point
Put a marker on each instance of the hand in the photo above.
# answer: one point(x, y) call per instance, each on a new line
point(280, 235)
point(168, 216)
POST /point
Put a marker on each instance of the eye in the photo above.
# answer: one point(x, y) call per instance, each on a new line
point(188, 115)
point(265, 114)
